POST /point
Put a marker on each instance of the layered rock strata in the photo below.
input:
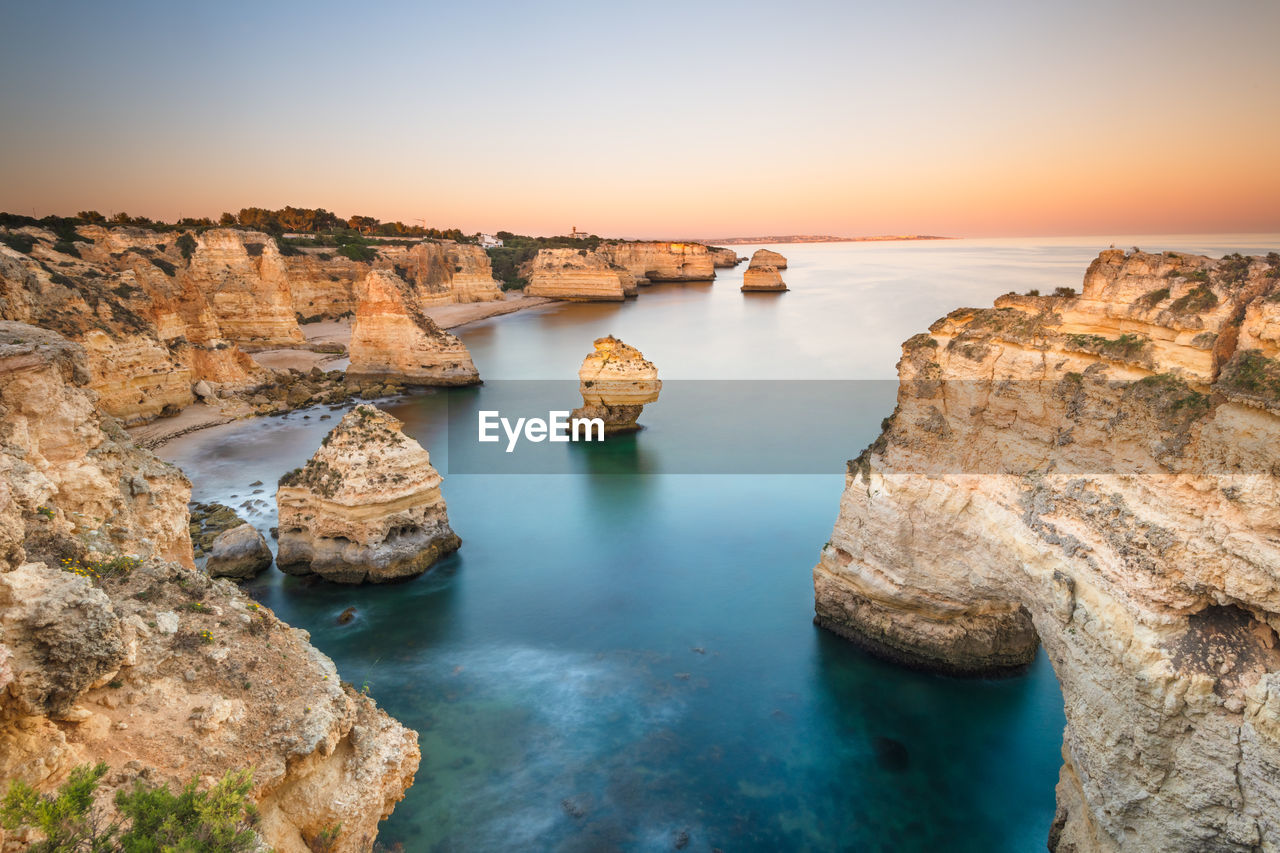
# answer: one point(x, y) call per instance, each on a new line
point(658, 261)
point(616, 381)
point(1097, 472)
point(160, 312)
point(366, 507)
point(113, 649)
point(765, 256)
point(392, 339)
point(246, 281)
point(724, 257)
point(71, 482)
point(762, 278)
point(578, 275)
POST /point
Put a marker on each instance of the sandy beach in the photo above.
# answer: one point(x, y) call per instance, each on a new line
point(320, 336)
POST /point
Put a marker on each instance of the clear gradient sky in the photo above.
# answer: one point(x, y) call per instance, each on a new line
point(654, 118)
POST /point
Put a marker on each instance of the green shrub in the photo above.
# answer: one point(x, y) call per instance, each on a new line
point(1252, 373)
point(186, 244)
point(356, 252)
point(1033, 292)
point(1234, 268)
point(1199, 298)
point(1125, 346)
point(1064, 291)
point(23, 243)
point(66, 247)
point(152, 819)
point(1155, 297)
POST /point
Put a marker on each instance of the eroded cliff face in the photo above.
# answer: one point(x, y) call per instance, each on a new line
point(246, 281)
point(70, 480)
point(156, 320)
point(578, 275)
point(1099, 472)
point(616, 381)
point(366, 507)
point(112, 648)
point(661, 261)
point(392, 338)
point(724, 257)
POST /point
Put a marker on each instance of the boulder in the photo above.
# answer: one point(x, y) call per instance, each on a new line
point(239, 553)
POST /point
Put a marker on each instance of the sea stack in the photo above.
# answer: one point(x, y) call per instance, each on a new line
point(765, 256)
point(616, 381)
point(365, 508)
point(392, 339)
point(579, 275)
point(1095, 473)
point(762, 273)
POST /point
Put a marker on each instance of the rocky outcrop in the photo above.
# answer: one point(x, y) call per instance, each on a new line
point(762, 278)
point(167, 675)
point(71, 482)
point(661, 261)
point(443, 272)
point(365, 508)
point(762, 273)
point(159, 312)
point(239, 552)
point(763, 257)
point(113, 649)
point(1096, 472)
point(616, 381)
point(322, 284)
point(723, 258)
point(392, 338)
point(578, 275)
point(246, 281)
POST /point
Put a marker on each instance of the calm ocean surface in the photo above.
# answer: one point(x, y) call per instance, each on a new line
point(625, 661)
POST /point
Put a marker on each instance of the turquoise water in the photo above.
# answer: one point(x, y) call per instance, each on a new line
point(625, 661)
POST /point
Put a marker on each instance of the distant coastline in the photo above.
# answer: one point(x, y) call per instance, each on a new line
point(817, 238)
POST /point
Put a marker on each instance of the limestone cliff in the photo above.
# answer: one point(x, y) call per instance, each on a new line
point(113, 649)
point(392, 338)
point(443, 271)
point(71, 482)
point(722, 257)
point(367, 506)
point(246, 281)
point(159, 312)
point(323, 283)
point(1097, 472)
point(616, 381)
point(661, 261)
point(578, 275)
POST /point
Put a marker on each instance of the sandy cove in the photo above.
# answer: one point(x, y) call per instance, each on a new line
point(319, 336)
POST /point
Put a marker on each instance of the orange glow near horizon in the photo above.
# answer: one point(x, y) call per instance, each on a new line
point(930, 119)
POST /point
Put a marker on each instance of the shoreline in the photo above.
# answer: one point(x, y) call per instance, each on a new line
point(198, 415)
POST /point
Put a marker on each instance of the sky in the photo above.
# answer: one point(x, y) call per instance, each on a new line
point(653, 119)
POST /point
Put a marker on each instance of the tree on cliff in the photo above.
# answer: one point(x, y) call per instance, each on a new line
point(363, 224)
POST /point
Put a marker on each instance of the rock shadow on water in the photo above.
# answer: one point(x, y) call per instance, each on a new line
point(917, 737)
